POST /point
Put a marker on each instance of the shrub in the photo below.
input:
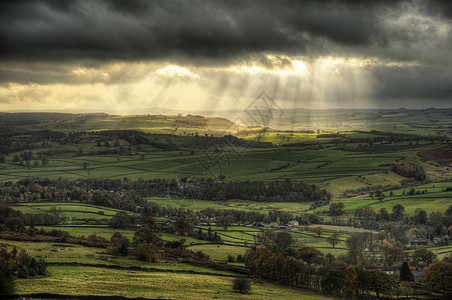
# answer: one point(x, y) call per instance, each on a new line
point(241, 284)
point(6, 279)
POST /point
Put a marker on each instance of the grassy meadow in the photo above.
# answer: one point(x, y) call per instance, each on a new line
point(99, 281)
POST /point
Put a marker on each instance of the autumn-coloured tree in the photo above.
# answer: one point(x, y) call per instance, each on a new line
point(394, 254)
point(336, 209)
point(351, 282)
point(318, 230)
point(439, 278)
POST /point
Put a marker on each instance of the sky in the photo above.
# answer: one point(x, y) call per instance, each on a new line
point(145, 56)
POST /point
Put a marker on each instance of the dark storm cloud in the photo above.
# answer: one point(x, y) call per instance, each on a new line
point(131, 30)
point(412, 83)
point(91, 34)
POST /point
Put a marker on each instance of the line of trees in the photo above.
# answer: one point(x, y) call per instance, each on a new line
point(351, 275)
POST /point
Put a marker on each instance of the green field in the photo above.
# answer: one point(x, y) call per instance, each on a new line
point(219, 252)
point(337, 169)
point(433, 200)
point(238, 204)
point(98, 281)
point(69, 253)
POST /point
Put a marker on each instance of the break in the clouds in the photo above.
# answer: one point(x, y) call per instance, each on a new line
point(218, 54)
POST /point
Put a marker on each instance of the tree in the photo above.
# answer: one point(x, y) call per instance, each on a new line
point(146, 235)
point(147, 252)
point(368, 213)
point(14, 224)
point(356, 246)
point(276, 241)
point(225, 221)
point(420, 216)
point(283, 240)
point(351, 282)
point(333, 281)
point(44, 161)
point(405, 272)
point(435, 218)
point(334, 239)
point(423, 255)
point(336, 208)
point(380, 282)
point(378, 193)
point(449, 211)
point(6, 279)
point(318, 230)
point(120, 244)
point(121, 220)
point(439, 277)
point(310, 255)
point(290, 270)
point(393, 254)
point(181, 226)
point(383, 214)
point(242, 285)
point(397, 212)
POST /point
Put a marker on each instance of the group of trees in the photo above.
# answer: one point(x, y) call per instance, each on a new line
point(306, 268)
point(15, 220)
point(409, 170)
point(129, 195)
point(401, 226)
point(17, 264)
point(352, 275)
point(211, 189)
point(336, 209)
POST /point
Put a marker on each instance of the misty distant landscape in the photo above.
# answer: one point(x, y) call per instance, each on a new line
point(225, 149)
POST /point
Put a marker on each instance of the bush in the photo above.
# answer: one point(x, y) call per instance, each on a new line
point(6, 279)
point(147, 252)
point(241, 284)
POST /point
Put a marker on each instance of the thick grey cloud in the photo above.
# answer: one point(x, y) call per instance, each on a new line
point(213, 29)
point(412, 39)
point(412, 83)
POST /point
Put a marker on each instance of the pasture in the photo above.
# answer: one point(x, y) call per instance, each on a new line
point(98, 281)
point(219, 252)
